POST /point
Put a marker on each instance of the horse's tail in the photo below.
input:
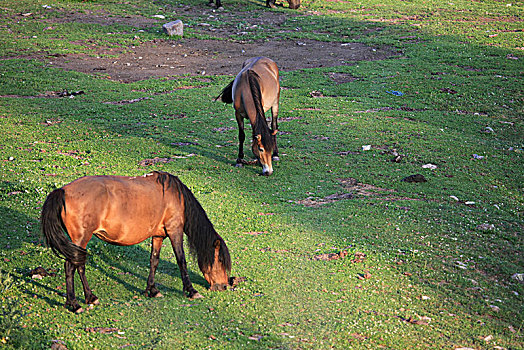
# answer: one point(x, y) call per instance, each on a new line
point(199, 230)
point(226, 95)
point(54, 230)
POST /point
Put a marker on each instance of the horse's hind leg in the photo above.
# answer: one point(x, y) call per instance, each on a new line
point(176, 236)
point(71, 302)
point(156, 244)
point(90, 297)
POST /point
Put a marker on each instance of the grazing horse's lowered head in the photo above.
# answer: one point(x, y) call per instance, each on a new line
point(263, 145)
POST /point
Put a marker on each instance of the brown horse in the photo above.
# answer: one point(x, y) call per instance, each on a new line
point(125, 211)
point(254, 91)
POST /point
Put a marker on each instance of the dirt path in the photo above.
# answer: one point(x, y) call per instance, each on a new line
point(174, 57)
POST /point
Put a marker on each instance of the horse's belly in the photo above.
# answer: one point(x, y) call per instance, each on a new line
point(127, 234)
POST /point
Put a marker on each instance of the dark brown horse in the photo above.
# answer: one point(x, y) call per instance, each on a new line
point(126, 211)
point(254, 91)
point(218, 3)
point(293, 4)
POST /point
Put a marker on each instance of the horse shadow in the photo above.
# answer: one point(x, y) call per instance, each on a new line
point(114, 268)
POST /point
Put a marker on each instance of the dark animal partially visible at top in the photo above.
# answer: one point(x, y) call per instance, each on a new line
point(293, 4)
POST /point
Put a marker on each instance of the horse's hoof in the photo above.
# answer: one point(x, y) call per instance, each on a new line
point(93, 301)
point(221, 8)
point(158, 295)
point(197, 295)
point(79, 310)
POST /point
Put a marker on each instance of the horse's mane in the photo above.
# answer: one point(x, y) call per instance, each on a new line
point(260, 126)
point(199, 230)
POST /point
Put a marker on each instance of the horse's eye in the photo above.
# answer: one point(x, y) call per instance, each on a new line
point(261, 150)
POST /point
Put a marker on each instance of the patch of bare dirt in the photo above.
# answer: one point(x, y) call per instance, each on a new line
point(354, 189)
point(357, 258)
point(165, 58)
point(190, 56)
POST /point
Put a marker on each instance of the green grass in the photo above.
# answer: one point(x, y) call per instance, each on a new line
point(428, 258)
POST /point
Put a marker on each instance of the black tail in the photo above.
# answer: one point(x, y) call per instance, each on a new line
point(226, 95)
point(54, 230)
point(199, 230)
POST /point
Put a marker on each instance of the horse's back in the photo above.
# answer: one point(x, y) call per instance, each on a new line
point(266, 68)
point(118, 210)
point(268, 74)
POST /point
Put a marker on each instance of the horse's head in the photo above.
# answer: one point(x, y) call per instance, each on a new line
point(263, 150)
point(216, 274)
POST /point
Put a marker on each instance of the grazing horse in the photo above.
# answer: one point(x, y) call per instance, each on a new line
point(254, 91)
point(125, 211)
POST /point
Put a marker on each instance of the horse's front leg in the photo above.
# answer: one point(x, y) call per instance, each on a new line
point(156, 245)
point(241, 139)
point(177, 239)
point(274, 128)
point(71, 302)
point(90, 297)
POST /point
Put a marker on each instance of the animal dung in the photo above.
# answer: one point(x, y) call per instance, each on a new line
point(414, 178)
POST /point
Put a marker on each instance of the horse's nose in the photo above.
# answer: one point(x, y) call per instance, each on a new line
point(218, 287)
point(266, 170)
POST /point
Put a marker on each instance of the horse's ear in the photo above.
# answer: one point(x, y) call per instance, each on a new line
point(274, 132)
point(217, 244)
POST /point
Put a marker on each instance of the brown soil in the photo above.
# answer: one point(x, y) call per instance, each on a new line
point(165, 58)
point(174, 57)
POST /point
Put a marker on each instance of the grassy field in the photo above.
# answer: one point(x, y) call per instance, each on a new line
point(428, 265)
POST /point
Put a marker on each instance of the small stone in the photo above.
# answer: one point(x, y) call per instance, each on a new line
point(160, 16)
point(366, 147)
point(174, 28)
point(519, 277)
point(486, 227)
point(429, 166)
point(495, 308)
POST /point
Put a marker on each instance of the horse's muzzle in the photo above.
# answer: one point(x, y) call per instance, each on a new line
point(218, 287)
point(266, 171)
